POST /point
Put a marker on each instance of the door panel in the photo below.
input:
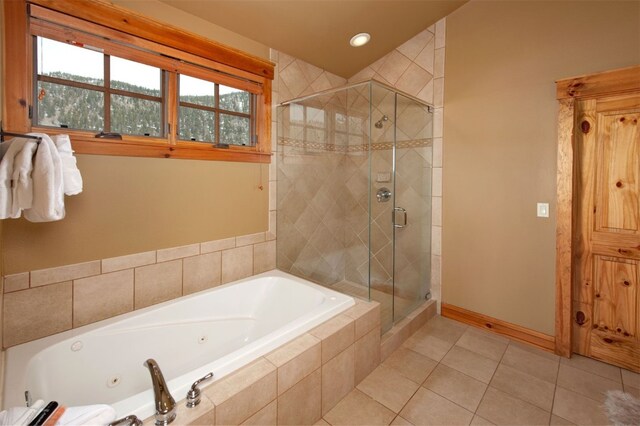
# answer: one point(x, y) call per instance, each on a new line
point(607, 239)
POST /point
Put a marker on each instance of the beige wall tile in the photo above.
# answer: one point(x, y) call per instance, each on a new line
point(296, 360)
point(413, 80)
point(245, 240)
point(359, 409)
point(271, 234)
point(336, 334)
point(440, 29)
point(264, 257)
point(366, 315)
point(244, 393)
point(501, 408)
point(367, 354)
point(202, 414)
point(301, 405)
point(416, 44)
point(455, 386)
point(173, 253)
point(388, 387)
point(337, 379)
point(272, 195)
point(127, 262)
point(438, 92)
point(410, 364)
point(217, 245)
point(438, 65)
point(29, 314)
point(64, 273)
point(16, 282)
point(267, 416)
point(102, 296)
point(437, 152)
point(237, 263)
point(394, 66)
point(428, 408)
point(157, 283)
point(201, 272)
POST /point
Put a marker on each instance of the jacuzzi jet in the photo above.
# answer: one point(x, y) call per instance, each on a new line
point(202, 339)
point(113, 382)
point(76, 346)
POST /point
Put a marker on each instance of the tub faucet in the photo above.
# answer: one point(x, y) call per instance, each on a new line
point(165, 404)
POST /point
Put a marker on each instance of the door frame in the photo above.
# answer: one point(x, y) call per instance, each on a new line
point(614, 82)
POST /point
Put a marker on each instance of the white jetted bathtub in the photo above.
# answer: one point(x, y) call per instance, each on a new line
point(217, 330)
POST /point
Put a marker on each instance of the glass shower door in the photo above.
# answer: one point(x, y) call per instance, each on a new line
point(411, 218)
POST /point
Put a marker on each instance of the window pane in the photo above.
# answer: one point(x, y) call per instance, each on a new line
point(69, 62)
point(135, 116)
point(234, 130)
point(196, 91)
point(234, 99)
point(71, 106)
point(197, 125)
point(135, 77)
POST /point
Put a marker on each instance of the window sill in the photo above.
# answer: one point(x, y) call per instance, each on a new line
point(132, 146)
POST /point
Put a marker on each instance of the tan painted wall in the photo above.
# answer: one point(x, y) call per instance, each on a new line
point(500, 154)
point(131, 205)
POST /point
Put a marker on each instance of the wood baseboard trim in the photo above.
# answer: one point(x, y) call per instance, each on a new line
point(512, 331)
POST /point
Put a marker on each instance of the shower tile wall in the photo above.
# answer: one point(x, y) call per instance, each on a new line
point(417, 68)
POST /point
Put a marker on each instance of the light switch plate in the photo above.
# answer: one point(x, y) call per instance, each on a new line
point(543, 209)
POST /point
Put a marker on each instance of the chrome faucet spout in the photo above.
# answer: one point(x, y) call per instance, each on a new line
point(165, 404)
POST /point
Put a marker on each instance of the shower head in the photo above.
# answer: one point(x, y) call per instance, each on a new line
point(379, 122)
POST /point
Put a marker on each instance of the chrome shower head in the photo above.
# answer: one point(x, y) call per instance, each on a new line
point(378, 123)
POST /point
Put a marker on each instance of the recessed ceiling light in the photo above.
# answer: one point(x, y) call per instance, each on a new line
point(360, 39)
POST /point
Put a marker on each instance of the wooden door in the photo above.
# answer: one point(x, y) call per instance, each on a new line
point(606, 243)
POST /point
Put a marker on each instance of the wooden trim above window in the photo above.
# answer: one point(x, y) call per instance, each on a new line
point(130, 22)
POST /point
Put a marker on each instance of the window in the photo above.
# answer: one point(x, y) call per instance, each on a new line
point(122, 84)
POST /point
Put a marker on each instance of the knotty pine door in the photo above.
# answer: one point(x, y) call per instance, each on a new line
point(606, 243)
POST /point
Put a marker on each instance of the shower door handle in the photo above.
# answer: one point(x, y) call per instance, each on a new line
point(393, 219)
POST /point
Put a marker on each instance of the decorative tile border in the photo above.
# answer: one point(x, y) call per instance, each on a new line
point(317, 146)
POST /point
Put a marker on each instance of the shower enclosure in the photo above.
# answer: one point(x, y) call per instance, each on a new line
point(354, 194)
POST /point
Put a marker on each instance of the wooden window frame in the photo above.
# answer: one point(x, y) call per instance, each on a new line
point(131, 36)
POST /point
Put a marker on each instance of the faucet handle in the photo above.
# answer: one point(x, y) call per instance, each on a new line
point(193, 395)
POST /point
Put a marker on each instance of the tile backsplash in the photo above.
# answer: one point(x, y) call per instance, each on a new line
point(48, 301)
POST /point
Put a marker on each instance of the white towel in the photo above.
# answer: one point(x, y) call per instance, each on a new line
point(22, 191)
point(70, 173)
point(16, 416)
point(48, 187)
point(89, 415)
point(12, 148)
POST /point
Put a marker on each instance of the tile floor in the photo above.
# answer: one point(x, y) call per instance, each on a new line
point(450, 374)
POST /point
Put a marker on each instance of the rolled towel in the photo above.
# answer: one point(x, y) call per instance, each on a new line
point(22, 190)
point(11, 149)
point(89, 415)
point(70, 173)
point(48, 187)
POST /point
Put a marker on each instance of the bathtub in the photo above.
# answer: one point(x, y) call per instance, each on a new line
point(218, 330)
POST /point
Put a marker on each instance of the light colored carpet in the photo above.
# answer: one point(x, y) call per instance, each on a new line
point(622, 408)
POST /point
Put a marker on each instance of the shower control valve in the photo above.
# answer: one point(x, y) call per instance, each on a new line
point(383, 195)
point(193, 395)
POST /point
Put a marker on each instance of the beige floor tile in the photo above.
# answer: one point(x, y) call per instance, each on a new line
point(388, 387)
point(504, 409)
point(629, 378)
point(535, 351)
point(559, 421)
point(358, 409)
point(524, 386)
point(470, 363)
point(321, 422)
point(593, 366)
point(577, 408)
point(531, 362)
point(429, 408)
point(444, 329)
point(585, 383)
point(427, 345)
point(479, 342)
point(410, 364)
point(633, 391)
point(399, 421)
point(480, 421)
point(455, 386)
